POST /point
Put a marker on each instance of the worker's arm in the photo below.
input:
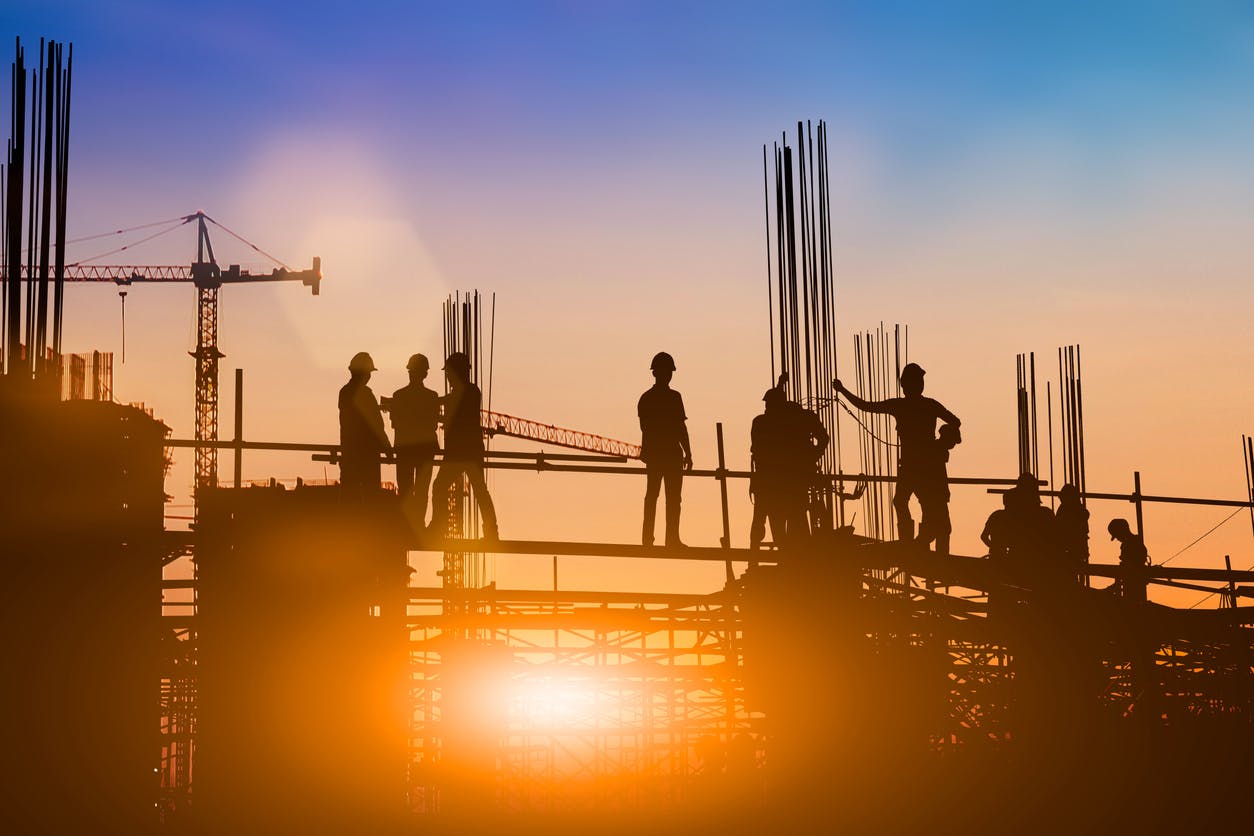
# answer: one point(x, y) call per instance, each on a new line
point(865, 406)
point(683, 433)
point(946, 416)
point(374, 418)
point(452, 402)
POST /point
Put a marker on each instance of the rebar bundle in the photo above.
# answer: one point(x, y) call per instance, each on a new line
point(1025, 391)
point(878, 359)
point(1071, 413)
point(801, 296)
point(24, 333)
point(463, 331)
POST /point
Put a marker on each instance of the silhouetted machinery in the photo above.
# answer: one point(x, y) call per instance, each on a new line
point(208, 277)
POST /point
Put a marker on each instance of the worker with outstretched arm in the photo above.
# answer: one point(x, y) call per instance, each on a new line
point(916, 418)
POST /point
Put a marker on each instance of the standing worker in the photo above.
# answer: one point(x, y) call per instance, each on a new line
point(1071, 523)
point(807, 441)
point(934, 497)
point(916, 431)
point(768, 481)
point(1133, 558)
point(362, 437)
point(664, 448)
point(415, 414)
point(463, 445)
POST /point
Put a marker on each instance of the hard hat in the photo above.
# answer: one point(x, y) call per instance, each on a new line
point(912, 370)
point(418, 361)
point(458, 360)
point(773, 395)
point(1118, 524)
point(662, 361)
point(361, 362)
point(1069, 491)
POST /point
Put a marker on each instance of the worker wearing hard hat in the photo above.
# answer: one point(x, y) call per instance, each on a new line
point(664, 448)
point(787, 442)
point(916, 416)
point(362, 437)
point(463, 445)
point(415, 413)
point(1133, 558)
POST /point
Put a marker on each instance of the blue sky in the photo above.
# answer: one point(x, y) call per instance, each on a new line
point(1007, 177)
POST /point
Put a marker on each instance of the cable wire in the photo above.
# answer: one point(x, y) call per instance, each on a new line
point(244, 240)
point(1210, 595)
point(120, 231)
point(125, 247)
point(1209, 532)
point(856, 418)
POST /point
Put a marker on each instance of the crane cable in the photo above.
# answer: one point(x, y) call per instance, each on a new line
point(111, 233)
point(178, 223)
point(244, 240)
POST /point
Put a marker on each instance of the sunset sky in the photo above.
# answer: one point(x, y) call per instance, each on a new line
point(1007, 177)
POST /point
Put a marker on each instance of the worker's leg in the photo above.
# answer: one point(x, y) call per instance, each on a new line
point(943, 524)
point(927, 520)
point(673, 479)
point(901, 504)
point(487, 510)
point(449, 473)
point(779, 522)
point(360, 472)
point(652, 487)
point(757, 528)
point(794, 513)
point(404, 471)
point(422, 485)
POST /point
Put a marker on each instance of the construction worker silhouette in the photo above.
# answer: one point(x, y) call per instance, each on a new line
point(463, 446)
point(916, 418)
point(415, 414)
point(996, 534)
point(1032, 544)
point(362, 437)
point(1071, 523)
point(935, 525)
point(768, 460)
point(664, 448)
point(787, 442)
point(1133, 558)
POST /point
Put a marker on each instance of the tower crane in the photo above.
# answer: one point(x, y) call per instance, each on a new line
point(208, 278)
point(498, 423)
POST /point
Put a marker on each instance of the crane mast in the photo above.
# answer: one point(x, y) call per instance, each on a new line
point(208, 277)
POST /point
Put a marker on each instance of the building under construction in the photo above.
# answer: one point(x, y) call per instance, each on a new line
point(298, 681)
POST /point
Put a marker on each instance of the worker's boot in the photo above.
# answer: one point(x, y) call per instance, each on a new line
point(905, 529)
point(650, 518)
point(672, 522)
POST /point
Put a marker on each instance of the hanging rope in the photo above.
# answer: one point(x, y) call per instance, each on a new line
point(855, 417)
